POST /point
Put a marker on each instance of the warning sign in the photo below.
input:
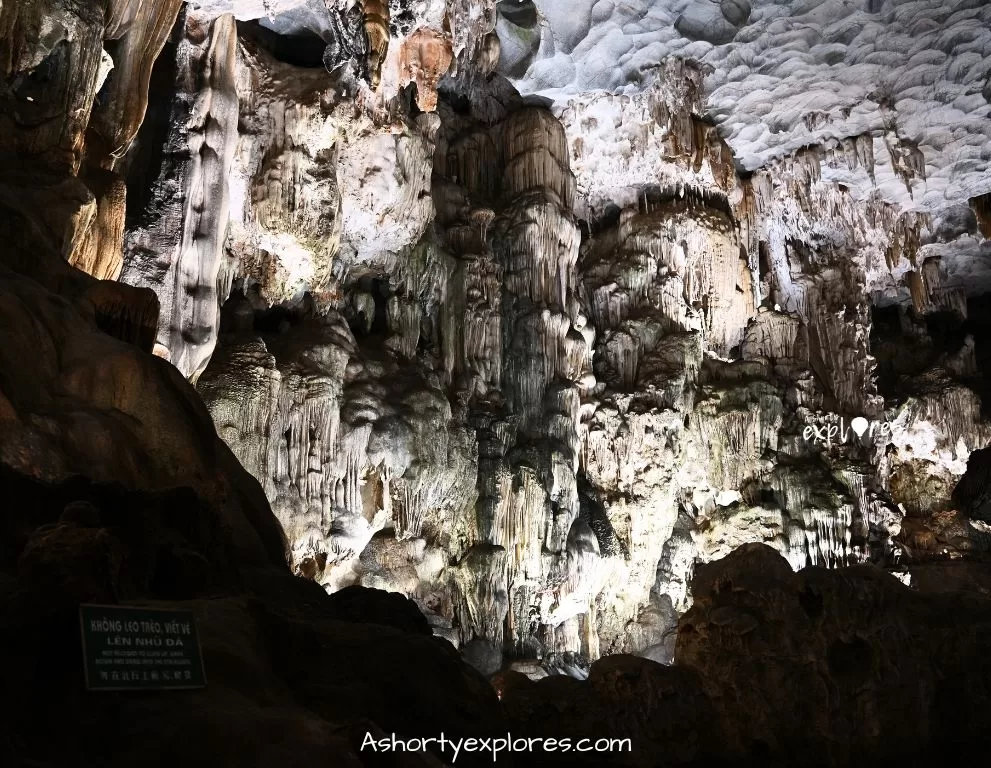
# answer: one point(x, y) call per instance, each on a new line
point(127, 648)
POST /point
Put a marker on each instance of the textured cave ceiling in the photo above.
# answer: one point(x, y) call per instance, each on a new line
point(778, 77)
point(784, 75)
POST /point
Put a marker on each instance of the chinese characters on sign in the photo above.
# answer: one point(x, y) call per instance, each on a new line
point(137, 648)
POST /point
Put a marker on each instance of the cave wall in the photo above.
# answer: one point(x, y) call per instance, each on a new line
point(82, 397)
point(116, 488)
point(525, 362)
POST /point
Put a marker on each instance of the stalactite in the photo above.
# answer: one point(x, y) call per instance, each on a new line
point(101, 255)
point(141, 29)
point(981, 205)
point(404, 317)
point(864, 144)
point(490, 51)
point(425, 57)
point(917, 288)
point(905, 239)
point(673, 260)
point(907, 159)
point(375, 17)
point(536, 158)
point(126, 313)
point(483, 603)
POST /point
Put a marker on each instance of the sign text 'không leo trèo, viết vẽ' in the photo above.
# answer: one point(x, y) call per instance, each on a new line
point(139, 648)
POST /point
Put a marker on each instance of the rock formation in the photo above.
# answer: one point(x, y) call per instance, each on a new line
point(526, 369)
point(777, 668)
point(179, 243)
point(557, 319)
point(117, 488)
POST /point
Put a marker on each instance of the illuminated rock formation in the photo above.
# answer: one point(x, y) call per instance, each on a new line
point(424, 58)
point(526, 309)
point(375, 18)
point(631, 356)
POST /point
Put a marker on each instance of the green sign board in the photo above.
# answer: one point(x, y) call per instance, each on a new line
point(136, 648)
